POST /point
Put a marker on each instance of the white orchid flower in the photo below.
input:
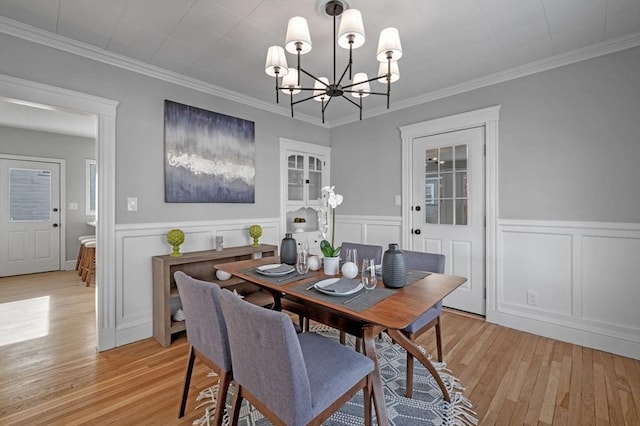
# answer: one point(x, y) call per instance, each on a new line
point(328, 201)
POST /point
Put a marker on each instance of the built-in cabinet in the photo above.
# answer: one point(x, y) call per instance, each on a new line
point(304, 171)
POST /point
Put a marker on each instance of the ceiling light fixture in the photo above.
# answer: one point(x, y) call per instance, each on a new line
point(350, 35)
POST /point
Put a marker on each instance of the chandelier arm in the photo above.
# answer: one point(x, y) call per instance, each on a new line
point(365, 92)
point(277, 94)
point(350, 58)
point(291, 101)
point(360, 107)
point(313, 77)
point(348, 68)
point(351, 101)
point(326, 104)
point(360, 82)
point(388, 80)
point(305, 99)
point(322, 111)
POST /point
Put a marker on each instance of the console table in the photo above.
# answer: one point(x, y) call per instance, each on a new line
point(200, 265)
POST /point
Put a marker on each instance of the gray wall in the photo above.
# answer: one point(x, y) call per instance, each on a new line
point(74, 150)
point(140, 131)
point(569, 144)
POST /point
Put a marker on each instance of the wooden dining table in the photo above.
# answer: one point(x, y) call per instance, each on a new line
point(391, 314)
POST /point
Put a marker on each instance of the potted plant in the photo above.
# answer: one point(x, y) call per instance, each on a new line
point(328, 202)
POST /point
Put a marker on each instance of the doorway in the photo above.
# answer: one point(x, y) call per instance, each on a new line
point(104, 110)
point(420, 135)
point(30, 216)
point(448, 209)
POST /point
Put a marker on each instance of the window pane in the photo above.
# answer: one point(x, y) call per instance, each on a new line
point(446, 158)
point(461, 184)
point(461, 212)
point(29, 195)
point(446, 212)
point(446, 185)
point(295, 185)
point(431, 213)
point(461, 157)
point(431, 161)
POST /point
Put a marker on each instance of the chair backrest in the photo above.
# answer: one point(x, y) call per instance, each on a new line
point(421, 261)
point(206, 326)
point(364, 251)
point(267, 358)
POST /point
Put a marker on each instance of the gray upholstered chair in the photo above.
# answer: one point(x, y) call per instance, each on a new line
point(364, 251)
point(292, 379)
point(430, 262)
point(207, 335)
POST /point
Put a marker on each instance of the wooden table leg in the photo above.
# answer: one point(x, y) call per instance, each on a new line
point(369, 346)
point(403, 341)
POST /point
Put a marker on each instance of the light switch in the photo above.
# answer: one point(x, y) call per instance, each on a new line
point(132, 204)
point(73, 206)
point(398, 200)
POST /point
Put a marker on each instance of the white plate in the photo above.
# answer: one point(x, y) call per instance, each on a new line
point(320, 286)
point(266, 270)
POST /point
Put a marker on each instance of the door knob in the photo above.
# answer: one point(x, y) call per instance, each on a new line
point(55, 209)
point(55, 225)
point(417, 231)
point(418, 208)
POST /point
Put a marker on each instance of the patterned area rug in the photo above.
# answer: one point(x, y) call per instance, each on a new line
point(427, 407)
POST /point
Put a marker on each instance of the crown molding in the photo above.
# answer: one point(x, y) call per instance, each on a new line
point(46, 38)
point(582, 54)
point(56, 41)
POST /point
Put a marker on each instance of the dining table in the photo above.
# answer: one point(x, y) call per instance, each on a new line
point(363, 314)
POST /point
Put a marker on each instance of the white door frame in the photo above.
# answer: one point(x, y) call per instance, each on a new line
point(62, 246)
point(105, 112)
point(487, 118)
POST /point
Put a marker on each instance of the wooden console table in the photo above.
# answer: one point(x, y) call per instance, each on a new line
point(200, 265)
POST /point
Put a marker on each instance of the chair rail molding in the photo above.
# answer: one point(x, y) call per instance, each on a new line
point(584, 276)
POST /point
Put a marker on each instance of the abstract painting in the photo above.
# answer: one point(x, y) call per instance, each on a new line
point(209, 157)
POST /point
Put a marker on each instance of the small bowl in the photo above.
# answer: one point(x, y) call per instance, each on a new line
point(222, 275)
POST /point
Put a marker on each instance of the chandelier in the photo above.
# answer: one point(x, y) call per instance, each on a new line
point(350, 35)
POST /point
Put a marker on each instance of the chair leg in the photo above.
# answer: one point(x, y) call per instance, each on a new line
point(221, 401)
point(235, 408)
point(439, 340)
point(79, 260)
point(367, 396)
point(343, 337)
point(187, 381)
point(306, 325)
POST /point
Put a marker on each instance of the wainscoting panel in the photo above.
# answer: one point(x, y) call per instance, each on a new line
point(136, 244)
point(378, 230)
point(461, 261)
point(573, 281)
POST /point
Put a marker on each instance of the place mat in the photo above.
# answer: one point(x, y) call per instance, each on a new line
point(415, 276)
point(284, 279)
point(365, 299)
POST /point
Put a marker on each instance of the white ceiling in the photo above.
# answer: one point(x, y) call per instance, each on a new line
point(224, 42)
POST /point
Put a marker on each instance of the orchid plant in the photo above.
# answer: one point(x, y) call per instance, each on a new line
point(328, 202)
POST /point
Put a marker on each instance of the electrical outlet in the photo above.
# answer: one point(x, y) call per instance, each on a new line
point(532, 297)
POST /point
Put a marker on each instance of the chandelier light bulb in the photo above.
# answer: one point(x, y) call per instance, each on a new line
point(361, 86)
point(383, 68)
point(320, 92)
point(276, 61)
point(351, 28)
point(290, 81)
point(389, 44)
point(298, 35)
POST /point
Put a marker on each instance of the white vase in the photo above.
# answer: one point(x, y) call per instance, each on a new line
point(331, 265)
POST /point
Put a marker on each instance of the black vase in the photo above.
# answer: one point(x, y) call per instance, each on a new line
point(394, 267)
point(288, 250)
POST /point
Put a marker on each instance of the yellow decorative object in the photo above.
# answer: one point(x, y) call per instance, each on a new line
point(175, 237)
point(255, 231)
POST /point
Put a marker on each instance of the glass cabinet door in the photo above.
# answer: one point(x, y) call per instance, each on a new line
point(296, 178)
point(315, 178)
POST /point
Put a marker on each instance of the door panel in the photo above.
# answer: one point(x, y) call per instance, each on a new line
point(448, 210)
point(29, 217)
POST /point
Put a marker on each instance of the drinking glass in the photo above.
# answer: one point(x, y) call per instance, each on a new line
point(302, 261)
point(368, 274)
point(352, 256)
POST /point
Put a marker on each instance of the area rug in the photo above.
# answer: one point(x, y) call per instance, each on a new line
point(427, 407)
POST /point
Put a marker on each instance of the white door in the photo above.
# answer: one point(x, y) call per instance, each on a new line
point(29, 217)
point(448, 209)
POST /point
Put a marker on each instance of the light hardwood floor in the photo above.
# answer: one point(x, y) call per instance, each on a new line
point(57, 378)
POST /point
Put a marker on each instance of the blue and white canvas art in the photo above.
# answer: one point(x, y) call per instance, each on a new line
point(209, 157)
